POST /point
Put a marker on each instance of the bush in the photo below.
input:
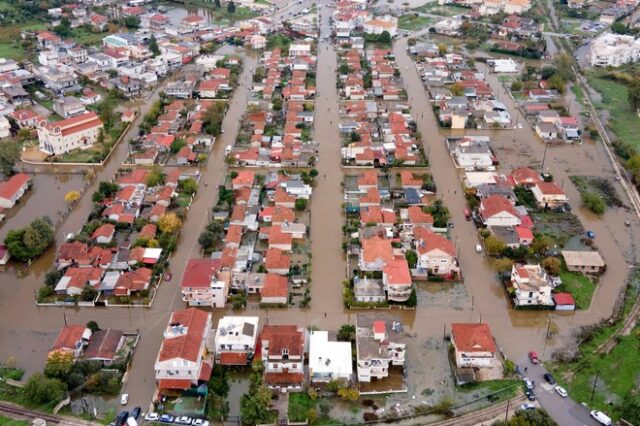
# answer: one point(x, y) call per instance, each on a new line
point(593, 202)
point(42, 390)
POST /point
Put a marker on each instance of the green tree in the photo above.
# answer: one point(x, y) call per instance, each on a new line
point(52, 277)
point(593, 202)
point(153, 46)
point(131, 22)
point(552, 265)
point(59, 365)
point(39, 234)
point(516, 86)
point(564, 66)
point(493, 245)
point(42, 390)
point(300, 204)
point(177, 145)
point(630, 408)
point(412, 258)
point(219, 382)
point(633, 94)
point(207, 239)
point(540, 244)
point(502, 265)
point(633, 165)
point(619, 28)
point(254, 406)
point(188, 186)
point(231, 7)
point(93, 326)
point(9, 155)
point(384, 37)
point(347, 333)
point(156, 176)
point(64, 28)
point(557, 82)
point(217, 4)
point(88, 294)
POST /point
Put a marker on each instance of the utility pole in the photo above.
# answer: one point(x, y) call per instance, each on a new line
point(546, 337)
point(544, 157)
point(595, 382)
point(64, 314)
point(506, 415)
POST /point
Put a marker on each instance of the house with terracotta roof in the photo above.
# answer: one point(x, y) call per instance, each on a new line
point(243, 179)
point(275, 290)
point(277, 261)
point(473, 345)
point(278, 239)
point(104, 233)
point(548, 194)
point(496, 210)
point(436, 253)
point(12, 189)
point(531, 285)
point(396, 278)
point(235, 340)
point(375, 253)
point(204, 284)
point(131, 282)
point(525, 176)
point(415, 216)
point(79, 132)
point(281, 349)
point(75, 279)
point(183, 361)
point(71, 339)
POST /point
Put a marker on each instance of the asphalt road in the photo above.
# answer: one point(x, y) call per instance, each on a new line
point(565, 411)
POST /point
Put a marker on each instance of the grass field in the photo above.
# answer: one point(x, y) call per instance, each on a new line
point(299, 404)
point(412, 22)
point(623, 122)
point(6, 421)
point(10, 39)
point(580, 287)
point(617, 372)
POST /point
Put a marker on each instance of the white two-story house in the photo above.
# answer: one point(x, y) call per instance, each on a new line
point(235, 341)
point(204, 284)
point(532, 286)
point(473, 345)
point(378, 347)
point(182, 360)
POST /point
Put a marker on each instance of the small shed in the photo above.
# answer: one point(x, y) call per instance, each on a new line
point(564, 302)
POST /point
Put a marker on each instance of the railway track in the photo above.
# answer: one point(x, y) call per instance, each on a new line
point(13, 411)
point(486, 414)
point(627, 326)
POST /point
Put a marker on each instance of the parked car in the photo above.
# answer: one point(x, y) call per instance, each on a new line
point(478, 248)
point(200, 422)
point(167, 276)
point(183, 420)
point(601, 417)
point(152, 417)
point(530, 395)
point(121, 419)
point(124, 398)
point(166, 418)
point(560, 390)
point(549, 378)
point(135, 413)
point(527, 406)
point(528, 383)
point(533, 357)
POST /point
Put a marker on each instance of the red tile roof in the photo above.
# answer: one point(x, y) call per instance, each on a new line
point(9, 187)
point(176, 384)
point(427, 241)
point(103, 344)
point(495, 204)
point(199, 272)
point(233, 358)
point(282, 337)
point(68, 337)
point(563, 299)
point(277, 259)
point(106, 230)
point(275, 286)
point(283, 378)
point(377, 248)
point(187, 345)
point(473, 337)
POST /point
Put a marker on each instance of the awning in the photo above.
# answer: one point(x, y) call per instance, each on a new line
point(177, 384)
point(233, 358)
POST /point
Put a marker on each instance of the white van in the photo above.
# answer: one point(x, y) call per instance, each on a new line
point(601, 417)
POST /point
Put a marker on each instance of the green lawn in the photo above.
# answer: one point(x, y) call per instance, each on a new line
point(499, 389)
point(623, 122)
point(412, 22)
point(84, 35)
point(6, 421)
point(580, 287)
point(10, 44)
point(617, 372)
point(299, 404)
point(577, 92)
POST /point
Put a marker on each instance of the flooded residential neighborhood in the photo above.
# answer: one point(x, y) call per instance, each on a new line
point(222, 192)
